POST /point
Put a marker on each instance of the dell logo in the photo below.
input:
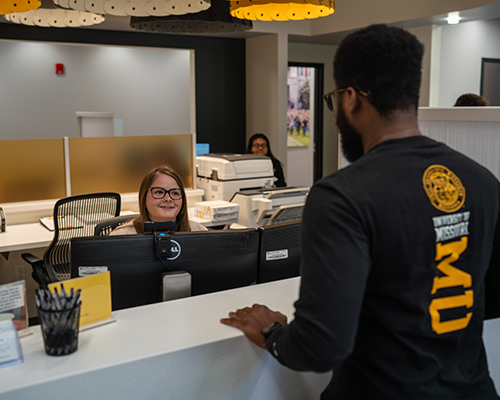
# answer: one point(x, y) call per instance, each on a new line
point(175, 250)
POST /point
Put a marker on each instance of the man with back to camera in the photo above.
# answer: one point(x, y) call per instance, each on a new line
point(400, 250)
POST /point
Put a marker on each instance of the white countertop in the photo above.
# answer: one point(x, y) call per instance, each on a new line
point(25, 237)
point(184, 336)
point(473, 114)
point(178, 350)
point(33, 235)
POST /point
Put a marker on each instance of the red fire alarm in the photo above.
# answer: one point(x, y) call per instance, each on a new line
point(59, 69)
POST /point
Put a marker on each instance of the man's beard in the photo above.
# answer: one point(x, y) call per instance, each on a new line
point(350, 139)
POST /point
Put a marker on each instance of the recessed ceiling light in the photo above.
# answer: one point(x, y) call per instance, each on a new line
point(453, 18)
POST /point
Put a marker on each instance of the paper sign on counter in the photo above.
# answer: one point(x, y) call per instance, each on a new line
point(96, 296)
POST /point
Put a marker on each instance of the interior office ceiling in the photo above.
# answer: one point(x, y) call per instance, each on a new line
point(302, 34)
point(491, 11)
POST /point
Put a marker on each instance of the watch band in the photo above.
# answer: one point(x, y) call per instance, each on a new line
point(267, 332)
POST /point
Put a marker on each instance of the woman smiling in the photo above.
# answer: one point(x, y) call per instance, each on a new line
point(161, 199)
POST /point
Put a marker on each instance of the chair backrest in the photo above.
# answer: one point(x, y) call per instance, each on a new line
point(76, 216)
point(104, 227)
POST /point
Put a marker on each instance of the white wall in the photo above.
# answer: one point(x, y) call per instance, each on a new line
point(149, 86)
point(424, 35)
point(462, 47)
point(266, 94)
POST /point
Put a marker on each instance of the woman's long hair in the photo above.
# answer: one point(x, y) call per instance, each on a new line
point(181, 221)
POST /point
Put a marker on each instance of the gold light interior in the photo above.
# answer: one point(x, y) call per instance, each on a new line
point(32, 170)
point(281, 10)
point(15, 6)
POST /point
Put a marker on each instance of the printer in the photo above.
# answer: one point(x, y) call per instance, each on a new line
point(222, 175)
point(263, 207)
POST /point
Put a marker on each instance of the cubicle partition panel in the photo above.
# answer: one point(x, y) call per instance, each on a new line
point(43, 169)
point(118, 164)
point(31, 170)
point(473, 131)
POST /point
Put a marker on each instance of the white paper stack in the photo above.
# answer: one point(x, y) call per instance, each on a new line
point(217, 210)
point(65, 222)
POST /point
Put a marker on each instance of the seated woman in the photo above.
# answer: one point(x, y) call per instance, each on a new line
point(259, 144)
point(161, 199)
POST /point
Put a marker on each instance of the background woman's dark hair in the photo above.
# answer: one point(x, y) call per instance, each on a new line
point(385, 62)
point(260, 136)
point(181, 220)
point(471, 100)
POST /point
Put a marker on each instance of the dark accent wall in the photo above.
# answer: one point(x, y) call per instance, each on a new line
point(220, 74)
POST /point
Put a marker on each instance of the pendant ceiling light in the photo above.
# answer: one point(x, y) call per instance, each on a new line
point(55, 18)
point(48, 15)
point(138, 8)
point(214, 20)
point(281, 10)
point(15, 6)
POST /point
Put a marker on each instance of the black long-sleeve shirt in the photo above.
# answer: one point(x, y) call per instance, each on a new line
point(278, 173)
point(396, 248)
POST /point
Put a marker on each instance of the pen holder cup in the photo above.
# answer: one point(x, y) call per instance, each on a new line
point(60, 330)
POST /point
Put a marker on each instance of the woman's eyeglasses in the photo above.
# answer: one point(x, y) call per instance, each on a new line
point(330, 97)
point(259, 146)
point(159, 193)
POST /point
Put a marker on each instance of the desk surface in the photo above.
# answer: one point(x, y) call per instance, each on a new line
point(25, 237)
point(24, 231)
point(177, 347)
point(35, 235)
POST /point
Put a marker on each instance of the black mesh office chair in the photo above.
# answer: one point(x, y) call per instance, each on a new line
point(104, 227)
point(74, 216)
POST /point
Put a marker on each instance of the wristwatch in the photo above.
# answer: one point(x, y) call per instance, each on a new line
point(268, 331)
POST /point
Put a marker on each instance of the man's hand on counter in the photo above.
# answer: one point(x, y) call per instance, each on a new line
point(253, 320)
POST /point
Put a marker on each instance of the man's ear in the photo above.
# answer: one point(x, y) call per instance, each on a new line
point(350, 102)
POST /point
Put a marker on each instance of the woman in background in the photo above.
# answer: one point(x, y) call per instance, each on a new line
point(259, 144)
point(161, 199)
point(471, 100)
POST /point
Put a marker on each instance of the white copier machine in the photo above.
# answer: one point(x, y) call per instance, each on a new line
point(263, 207)
point(222, 175)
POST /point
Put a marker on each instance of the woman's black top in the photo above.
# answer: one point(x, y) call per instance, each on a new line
point(278, 173)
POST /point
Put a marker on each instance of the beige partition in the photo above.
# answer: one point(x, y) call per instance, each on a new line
point(31, 170)
point(118, 164)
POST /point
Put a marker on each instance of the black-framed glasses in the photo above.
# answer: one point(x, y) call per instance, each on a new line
point(330, 99)
point(159, 193)
point(259, 146)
